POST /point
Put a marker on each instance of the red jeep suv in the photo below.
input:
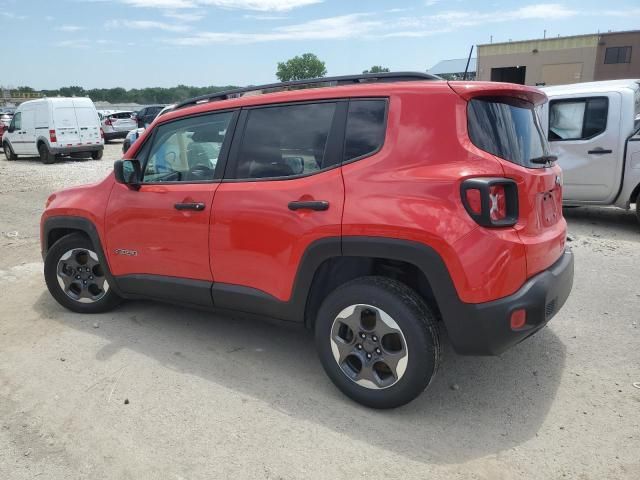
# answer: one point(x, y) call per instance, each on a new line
point(374, 209)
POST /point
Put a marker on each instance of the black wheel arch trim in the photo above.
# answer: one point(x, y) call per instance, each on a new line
point(80, 224)
point(425, 258)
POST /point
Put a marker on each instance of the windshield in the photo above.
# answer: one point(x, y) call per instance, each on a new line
point(508, 128)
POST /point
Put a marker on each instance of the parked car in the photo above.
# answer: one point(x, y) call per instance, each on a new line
point(146, 115)
point(54, 127)
point(117, 125)
point(5, 121)
point(347, 208)
point(594, 130)
point(134, 134)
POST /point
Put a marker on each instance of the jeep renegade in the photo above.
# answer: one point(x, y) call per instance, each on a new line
point(376, 210)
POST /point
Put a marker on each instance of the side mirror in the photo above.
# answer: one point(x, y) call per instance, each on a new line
point(10, 128)
point(128, 173)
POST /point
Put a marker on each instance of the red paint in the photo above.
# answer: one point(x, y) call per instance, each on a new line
point(168, 241)
point(518, 319)
point(258, 242)
point(409, 190)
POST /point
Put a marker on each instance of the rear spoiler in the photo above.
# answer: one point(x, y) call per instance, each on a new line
point(469, 90)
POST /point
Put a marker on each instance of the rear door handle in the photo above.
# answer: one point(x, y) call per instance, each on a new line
point(318, 205)
point(197, 206)
point(599, 151)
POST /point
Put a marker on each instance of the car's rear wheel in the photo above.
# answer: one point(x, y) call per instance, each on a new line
point(45, 155)
point(378, 341)
point(76, 278)
point(97, 155)
point(8, 152)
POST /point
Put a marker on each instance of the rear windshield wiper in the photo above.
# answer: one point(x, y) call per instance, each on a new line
point(544, 159)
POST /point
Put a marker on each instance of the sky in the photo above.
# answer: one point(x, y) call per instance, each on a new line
point(147, 43)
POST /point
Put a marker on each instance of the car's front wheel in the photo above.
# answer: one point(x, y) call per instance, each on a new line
point(76, 278)
point(96, 155)
point(378, 341)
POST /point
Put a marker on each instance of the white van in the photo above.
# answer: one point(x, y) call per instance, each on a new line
point(54, 127)
point(593, 129)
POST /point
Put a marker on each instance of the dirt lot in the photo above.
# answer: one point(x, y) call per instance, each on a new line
point(218, 397)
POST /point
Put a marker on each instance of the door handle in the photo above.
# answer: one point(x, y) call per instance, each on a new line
point(197, 206)
point(599, 151)
point(318, 205)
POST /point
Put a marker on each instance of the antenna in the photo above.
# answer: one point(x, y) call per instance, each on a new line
point(466, 69)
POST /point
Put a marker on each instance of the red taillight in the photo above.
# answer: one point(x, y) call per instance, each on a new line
point(497, 203)
point(108, 122)
point(474, 200)
point(52, 136)
point(491, 202)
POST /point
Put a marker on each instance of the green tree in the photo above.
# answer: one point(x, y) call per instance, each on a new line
point(73, 91)
point(300, 68)
point(377, 69)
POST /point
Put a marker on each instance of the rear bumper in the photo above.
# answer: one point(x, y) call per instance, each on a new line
point(484, 328)
point(76, 149)
point(112, 135)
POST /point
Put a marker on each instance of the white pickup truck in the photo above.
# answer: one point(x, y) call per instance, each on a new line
point(594, 130)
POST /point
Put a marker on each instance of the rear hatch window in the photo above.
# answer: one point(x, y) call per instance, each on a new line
point(508, 128)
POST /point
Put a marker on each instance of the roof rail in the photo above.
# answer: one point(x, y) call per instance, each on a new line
point(312, 82)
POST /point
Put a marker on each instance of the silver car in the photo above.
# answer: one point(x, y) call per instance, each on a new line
point(117, 125)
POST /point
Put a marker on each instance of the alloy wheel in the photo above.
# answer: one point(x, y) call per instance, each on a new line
point(369, 346)
point(81, 277)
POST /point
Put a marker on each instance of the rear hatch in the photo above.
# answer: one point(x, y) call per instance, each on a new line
point(122, 122)
point(66, 126)
point(88, 124)
point(502, 120)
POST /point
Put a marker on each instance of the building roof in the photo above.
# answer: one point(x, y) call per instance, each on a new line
point(602, 34)
point(456, 65)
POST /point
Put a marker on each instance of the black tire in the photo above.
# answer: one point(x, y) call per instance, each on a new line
point(97, 155)
point(45, 155)
point(105, 299)
point(417, 326)
point(8, 152)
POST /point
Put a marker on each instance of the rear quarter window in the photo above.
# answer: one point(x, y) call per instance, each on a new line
point(508, 128)
point(366, 125)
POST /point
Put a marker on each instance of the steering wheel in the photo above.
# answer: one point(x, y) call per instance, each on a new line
point(200, 172)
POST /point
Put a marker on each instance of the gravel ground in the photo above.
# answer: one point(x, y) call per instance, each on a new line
point(156, 391)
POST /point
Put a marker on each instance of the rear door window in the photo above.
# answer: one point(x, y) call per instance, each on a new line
point(508, 128)
point(577, 119)
point(285, 141)
point(365, 128)
point(87, 117)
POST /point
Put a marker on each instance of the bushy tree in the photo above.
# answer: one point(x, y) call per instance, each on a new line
point(377, 69)
point(301, 67)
